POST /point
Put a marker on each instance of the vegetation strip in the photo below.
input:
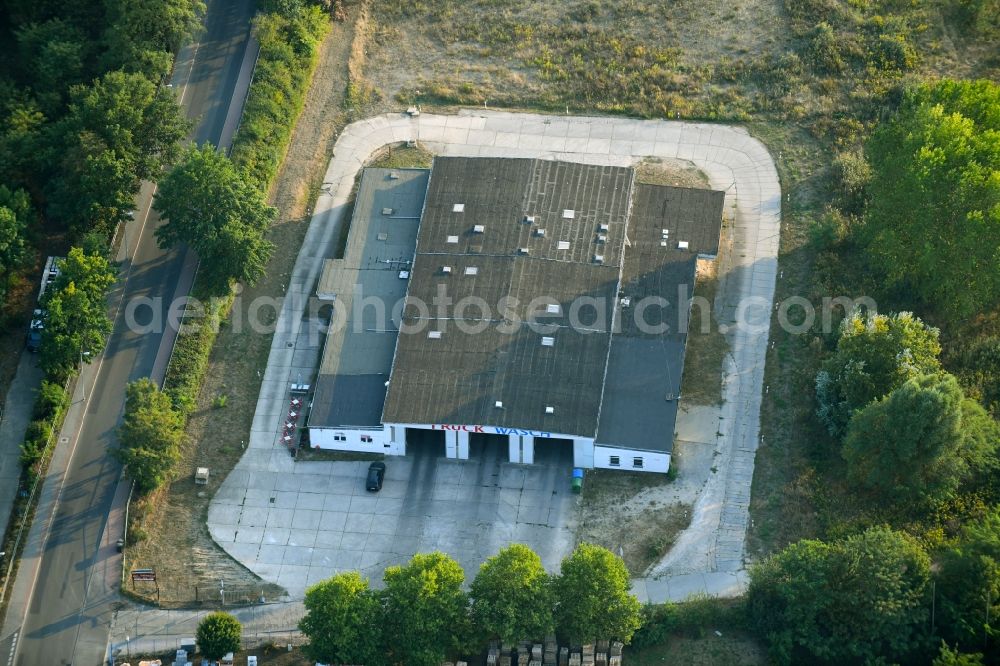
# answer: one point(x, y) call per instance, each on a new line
point(289, 39)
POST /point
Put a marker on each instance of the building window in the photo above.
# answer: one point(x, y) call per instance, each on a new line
point(366, 439)
point(614, 461)
point(637, 463)
point(340, 437)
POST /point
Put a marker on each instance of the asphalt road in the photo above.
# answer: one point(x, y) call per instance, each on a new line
point(74, 588)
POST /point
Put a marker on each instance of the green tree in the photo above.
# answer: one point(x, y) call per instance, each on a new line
point(15, 210)
point(593, 599)
point(120, 130)
point(968, 588)
point(512, 596)
point(52, 53)
point(21, 136)
point(978, 362)
point(425, 611)
point(77, 322)
point(211, 207)
point(342, 621)
point(859, 599)
point(949, 657)
point(217, 634)
point(149, 438)
point(875, 354)
point(934, 219)
point(142, 35)
point(920, 441)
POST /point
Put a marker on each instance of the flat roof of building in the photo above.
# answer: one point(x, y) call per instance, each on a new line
point(542, 295)
point(486, 214)
point(642, 387)
point(364, 286)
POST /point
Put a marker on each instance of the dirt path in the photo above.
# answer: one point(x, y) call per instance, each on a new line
point(178, 543)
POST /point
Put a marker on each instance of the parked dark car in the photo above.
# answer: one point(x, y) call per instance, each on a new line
point(34, 340)
point(376, 474)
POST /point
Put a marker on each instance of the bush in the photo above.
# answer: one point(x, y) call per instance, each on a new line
point(36, 440)
point(218, 634)
point(693, 617)
point(824, 50)
point(853, 173)
point(39, 431)
point(289, 48)
point(51, 401)
point(190, 357)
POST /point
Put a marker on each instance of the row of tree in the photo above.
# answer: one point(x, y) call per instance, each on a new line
point(422, 614)
point(879, 595)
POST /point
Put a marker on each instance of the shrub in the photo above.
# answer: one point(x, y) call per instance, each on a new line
point(823, 52)
point(52, 399)
point(289, 48)
point(218, 634)
point(190, 357)
point(853, 173)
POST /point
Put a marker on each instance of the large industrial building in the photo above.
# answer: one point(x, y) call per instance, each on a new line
point(533, 302)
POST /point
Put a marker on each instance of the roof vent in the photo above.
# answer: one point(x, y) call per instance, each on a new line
point(603, 227)
point(382, 236)
point(458, 208)
point(664, 232)
point(598, 258)
point(478, 229)
point(601, 238)
point(446, 270)
point(540, 232)
point(387, 211)
point(682, 245)
point(498, 404)
point(663, 243)
point(471, 270)
point(548, 342)
point(553, 308)
point(529, 219)
point(393, 175)
point(562, 245)
point(452, 239)
point(549, 409)
point(522, 250)
point(569, 214)
point(434, 335)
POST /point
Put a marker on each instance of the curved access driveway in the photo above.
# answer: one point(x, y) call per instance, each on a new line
point(708, 557)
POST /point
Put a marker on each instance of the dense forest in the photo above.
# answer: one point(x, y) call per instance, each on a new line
point(84, 116)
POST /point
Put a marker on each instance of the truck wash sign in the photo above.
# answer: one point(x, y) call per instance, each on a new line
point(489, 430)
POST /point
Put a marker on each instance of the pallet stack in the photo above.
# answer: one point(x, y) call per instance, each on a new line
point(615, 657)
point(549, 653)
point(549, 656)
